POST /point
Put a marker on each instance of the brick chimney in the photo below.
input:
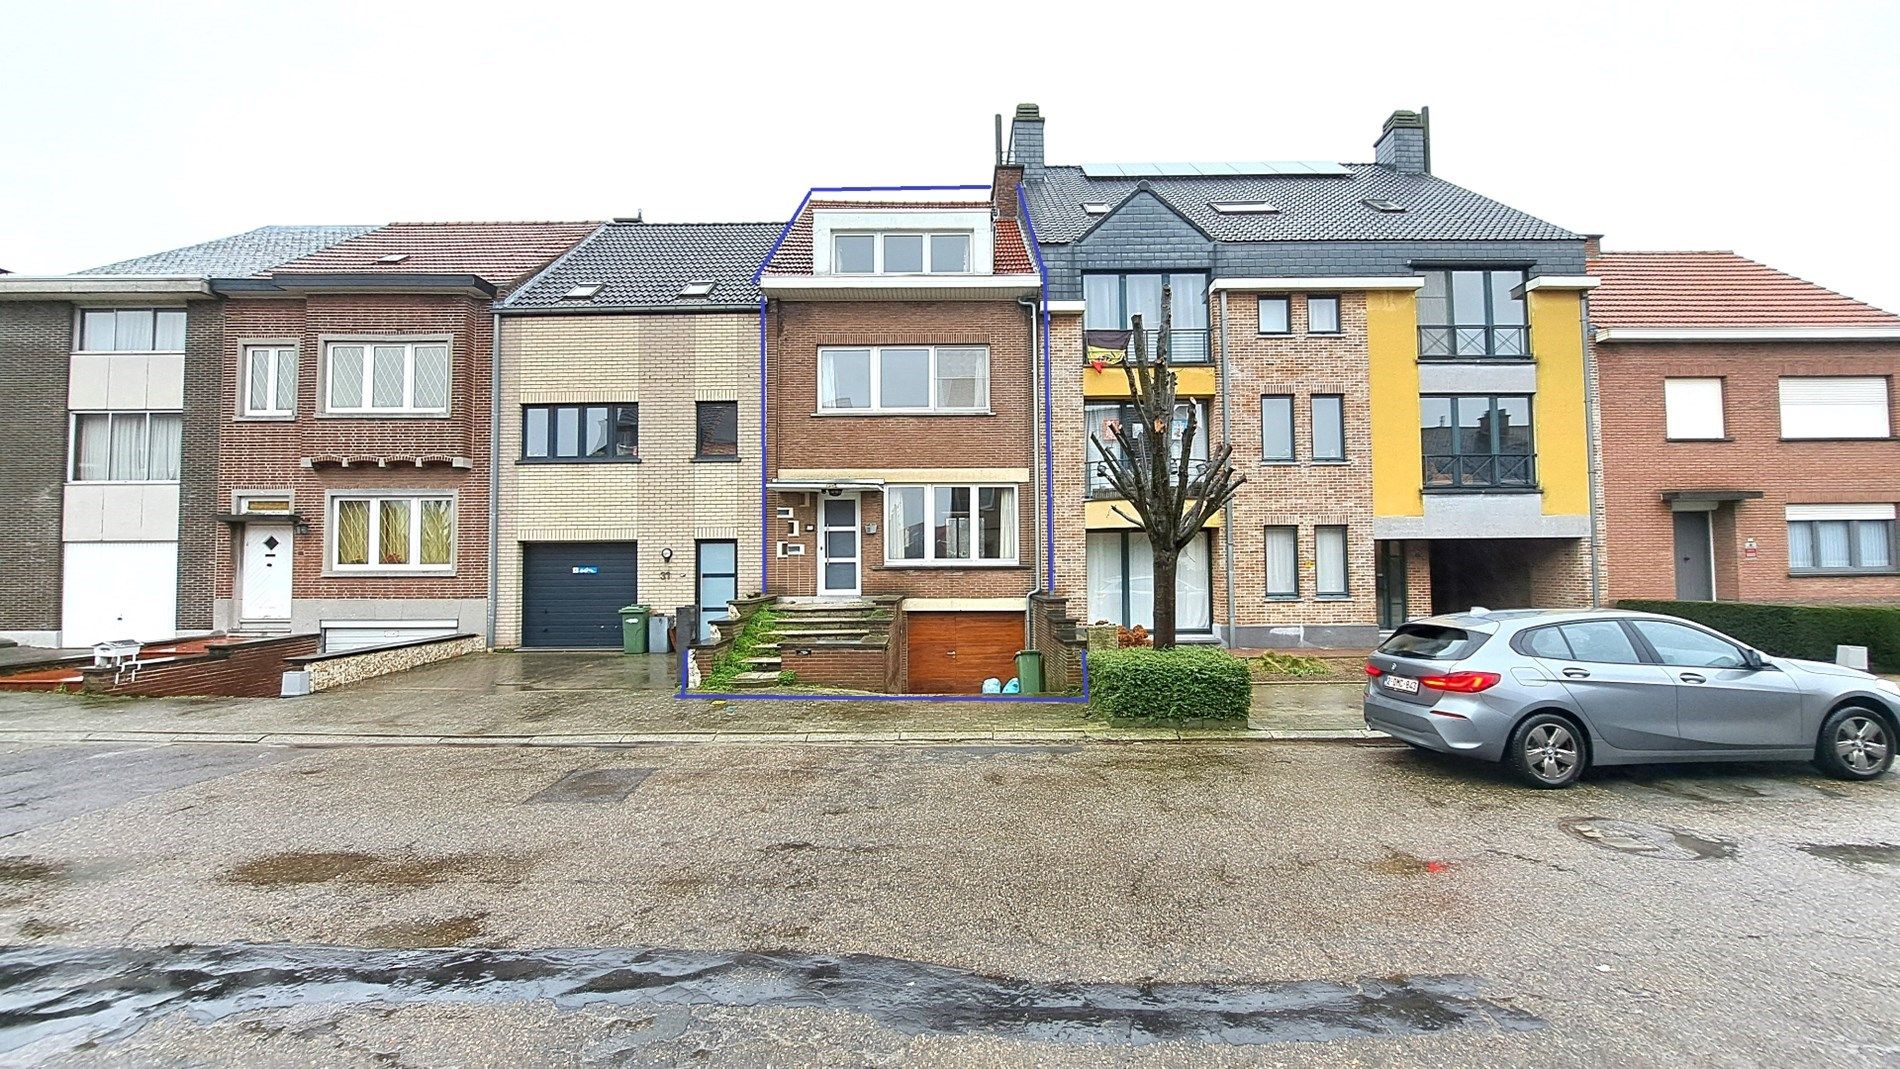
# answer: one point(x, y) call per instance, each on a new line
point(1405, 145)
point(1025, 140)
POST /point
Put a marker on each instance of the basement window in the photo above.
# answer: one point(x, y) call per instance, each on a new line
point(586, 291)
point(699, 287)
point(1380, 204)
point(1243, 207)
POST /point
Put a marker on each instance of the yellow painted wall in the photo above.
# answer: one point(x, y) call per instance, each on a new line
point(1101, 516)
point(1563, 460)
point(1112, 382)
point(1392, 353)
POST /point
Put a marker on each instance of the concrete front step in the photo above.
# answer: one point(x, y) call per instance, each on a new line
point(814, 619)
point(762, 664)
point(823, 606)
point(835, 632)
point(755, 680)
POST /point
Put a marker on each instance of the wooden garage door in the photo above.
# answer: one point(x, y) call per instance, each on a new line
point(953, 652)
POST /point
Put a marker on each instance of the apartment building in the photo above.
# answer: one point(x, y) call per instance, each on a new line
point(1396, 361)
point(355, 429)
point(901, 437)
point(109, 452)
point(1747, 432)
point(629, 400)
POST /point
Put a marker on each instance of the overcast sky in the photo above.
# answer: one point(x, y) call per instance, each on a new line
point(1771, 129)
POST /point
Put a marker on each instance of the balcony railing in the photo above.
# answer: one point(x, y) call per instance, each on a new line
point(1474, 343)
point(1481, 471)
point(1184, 346)
point(1100, 488)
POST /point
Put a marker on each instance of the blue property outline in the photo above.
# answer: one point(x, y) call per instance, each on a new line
point(765, 509)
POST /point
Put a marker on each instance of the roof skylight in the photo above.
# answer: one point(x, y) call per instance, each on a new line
point(1243, 207)
point(586, 291)
point(1380, 204)
point(699, 287)
point(1096, 207)
point(392, 258)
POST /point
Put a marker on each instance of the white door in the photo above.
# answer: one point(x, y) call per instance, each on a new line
point(264, 572)
point(838, 546)
point(116, 590)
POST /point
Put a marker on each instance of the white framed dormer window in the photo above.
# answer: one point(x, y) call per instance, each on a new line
point(924, 253)
point(132, 330)
point(397, 377)
point(950, 525)
point(270, 381)
point(1692, 410)
point(126, 447)
point(904, 378)
point(902, 241)
point(1834, 407)
point(394, 532)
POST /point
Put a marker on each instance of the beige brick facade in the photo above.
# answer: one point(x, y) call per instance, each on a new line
point(665, 363)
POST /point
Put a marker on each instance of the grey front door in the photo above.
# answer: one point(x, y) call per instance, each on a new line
point(1720, 704)
point(1695, 567)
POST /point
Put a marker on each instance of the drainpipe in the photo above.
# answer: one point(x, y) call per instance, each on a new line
point(494, 471)
point(1227, 510)
point(1591, 452)
point(1031, 306)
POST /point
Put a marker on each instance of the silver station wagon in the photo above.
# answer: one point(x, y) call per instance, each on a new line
point(1550, 693)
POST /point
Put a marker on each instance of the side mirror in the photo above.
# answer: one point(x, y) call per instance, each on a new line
point(1752, 660)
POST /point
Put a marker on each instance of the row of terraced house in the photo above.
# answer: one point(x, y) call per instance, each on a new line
point(384, 433)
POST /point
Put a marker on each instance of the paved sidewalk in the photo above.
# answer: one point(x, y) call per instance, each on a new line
point(515, 699)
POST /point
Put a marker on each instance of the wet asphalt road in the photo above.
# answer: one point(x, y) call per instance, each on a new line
point(1088, 904)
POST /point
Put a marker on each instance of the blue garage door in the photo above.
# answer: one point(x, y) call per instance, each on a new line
point(572, 592)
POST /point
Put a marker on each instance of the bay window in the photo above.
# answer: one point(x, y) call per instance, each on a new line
point(392, 533)
point(950, 524)
point(394, 377)
point(904, 378)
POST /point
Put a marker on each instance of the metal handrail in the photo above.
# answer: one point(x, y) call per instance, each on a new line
point(1477, 341)
point(1480, 471)
point(1185, 345)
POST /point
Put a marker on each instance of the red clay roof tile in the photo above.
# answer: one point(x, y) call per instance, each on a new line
point(503, 254)
point(1716, 289)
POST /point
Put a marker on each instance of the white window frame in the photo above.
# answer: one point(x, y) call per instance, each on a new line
point(372, 565)
point(79, 332)
point(1829, 426)
point(879, 238)
point(368, 345)
point(930, 558)
point(973, 220)
point(244, 387)
point(1686, 413)
point(877, 381)
point(72, 446)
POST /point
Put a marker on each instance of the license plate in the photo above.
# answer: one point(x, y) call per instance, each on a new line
point(1400, 683)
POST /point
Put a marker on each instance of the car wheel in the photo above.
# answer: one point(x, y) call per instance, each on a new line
point(1546, 750)
point(1855, 743)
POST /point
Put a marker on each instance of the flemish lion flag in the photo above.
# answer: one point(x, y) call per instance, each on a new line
point(1105, 346)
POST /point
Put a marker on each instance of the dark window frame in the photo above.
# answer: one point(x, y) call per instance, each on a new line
point(1292, 429)
point(1345, 562)
point(615, 408)
point(1339, 314)
point(1125, 411)
point(1266, 562)
point(1199, 339)
point(1286, 306)
point(1312, 417)
point(700, 408)
point(1489, 324)
point(1127, 538)
point(1494, 455)
point(1853, 549)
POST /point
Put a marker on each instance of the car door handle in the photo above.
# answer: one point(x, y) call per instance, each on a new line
point(1692, 677)
point(1576, 673)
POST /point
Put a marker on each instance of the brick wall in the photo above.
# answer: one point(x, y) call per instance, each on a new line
point(1055, 633)
point(198, 529)
point(864, 668)
point(1639, 465)
point(36, 342)
point(252, 669)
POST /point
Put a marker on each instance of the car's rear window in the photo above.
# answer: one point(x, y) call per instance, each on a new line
point(1432, 641)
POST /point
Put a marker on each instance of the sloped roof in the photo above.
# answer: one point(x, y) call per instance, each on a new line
point(1310, 207)
point(502, 254)
point(794, 255)
point(645, 265)
point(1716, 289)
point(237, 256)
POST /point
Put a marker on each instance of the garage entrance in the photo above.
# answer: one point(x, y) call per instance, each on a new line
point(954, 652)
point(572, 592)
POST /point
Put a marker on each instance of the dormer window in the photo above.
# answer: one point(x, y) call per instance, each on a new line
point(901, 254)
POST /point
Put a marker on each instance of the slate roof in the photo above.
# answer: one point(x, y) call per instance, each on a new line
point(644, 265)
point(237, 256)
point(502, 254)
point(1311, 207)
point(1716, 289)
point(1009, 256)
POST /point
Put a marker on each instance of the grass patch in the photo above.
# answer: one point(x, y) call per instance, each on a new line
point(757, 630)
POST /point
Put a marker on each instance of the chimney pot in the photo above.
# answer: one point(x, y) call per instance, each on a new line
point(1025, 140)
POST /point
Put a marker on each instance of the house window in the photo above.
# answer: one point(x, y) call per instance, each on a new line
point(1283, 562)
point(1329, 553)
point(396, 378)
point(1834, 408)
point(1113, 302)
point(1102, 418)
point(717, 430)
point(126, 447)
point(912, 378)
point(901, 254)
point(1322, 315)
point(580, 432)
point(1692, 409)
point(1121, 581)
point(948, 524)
point(1471, 315)
point(1329, 426)
point(1840, 539)
point(1276, 427)
point(1276, 315)
point(1476, 443)
point(270, 380)
point(392, 533)
point(132, 330)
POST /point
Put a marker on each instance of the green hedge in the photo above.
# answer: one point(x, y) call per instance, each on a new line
point(1810, 631)
point(1184, 683)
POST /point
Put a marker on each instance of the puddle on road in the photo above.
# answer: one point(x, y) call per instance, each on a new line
point(1647, 840)
point(296, 868)
point(1855, 855)
point(593, 785)
point(126, 988)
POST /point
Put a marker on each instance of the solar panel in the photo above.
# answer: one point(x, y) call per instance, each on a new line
point(1260, 169)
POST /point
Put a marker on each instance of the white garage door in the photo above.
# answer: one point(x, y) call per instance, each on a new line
point(115, 590)
point(342, 636)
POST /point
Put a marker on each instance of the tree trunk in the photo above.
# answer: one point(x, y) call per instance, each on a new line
point(1166, 561)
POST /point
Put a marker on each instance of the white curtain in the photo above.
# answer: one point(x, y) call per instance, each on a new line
point(1105, 576)
point(92, 446)
point(128, 447)
point(1283, 560)
point(1193, 597)
point(1874, 551)
point(1801, 545)
point(135, 330)
point(170, 334)
point(904, 523)
point(1833, 544)
point(1330, 547)
point(167, 434)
